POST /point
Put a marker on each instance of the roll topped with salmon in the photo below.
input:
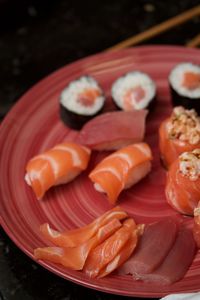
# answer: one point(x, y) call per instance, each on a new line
point(179, 133)
point(183, 182)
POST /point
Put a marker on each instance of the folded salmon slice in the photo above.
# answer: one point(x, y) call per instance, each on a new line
point(75, 237)
point(103, 254)
point(177, 262)
point(152, 248)
point(59, 165)
point(75, 257)
point(112, 130)
point(121, 170)
point(123, 255)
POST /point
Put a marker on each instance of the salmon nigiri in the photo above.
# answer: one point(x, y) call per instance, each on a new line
point(58, 165)
point(75, 237)
point(179, 133)
point(183, 182)
point(121, 170)
point(75, 257)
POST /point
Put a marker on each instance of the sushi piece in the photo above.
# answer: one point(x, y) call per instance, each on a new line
point(153, 246)
point(104, 253)
point(75, 237)
point(179, 133)
point(113, 130)
point(59, 165)
point(80, 101)
point(184, 81)
point(134, 90)
point(183, 182)
point(75, 257)
point(177, 262)
point(121, 170)
point(196, 225)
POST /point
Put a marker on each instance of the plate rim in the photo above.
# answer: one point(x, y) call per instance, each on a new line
point(19, 103)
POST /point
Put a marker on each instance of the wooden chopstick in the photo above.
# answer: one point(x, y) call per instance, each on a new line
point(157, 29)
point(195, 42)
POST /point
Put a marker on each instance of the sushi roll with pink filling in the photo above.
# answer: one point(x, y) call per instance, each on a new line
point(134, 90)
point(184, 82)
point(80, 101)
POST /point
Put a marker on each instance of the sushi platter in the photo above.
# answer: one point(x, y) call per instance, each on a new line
point(45, 122)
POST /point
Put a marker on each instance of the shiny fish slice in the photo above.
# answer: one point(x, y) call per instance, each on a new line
point(121, 170)
point(152, 248)
point(75, 237)
point(75, 257)
point(113, 130)
point(122, 257)
point(177, 262)
point(58, 165)
point(103, 254)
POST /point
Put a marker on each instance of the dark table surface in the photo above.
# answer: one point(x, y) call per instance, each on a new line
point(36, 38)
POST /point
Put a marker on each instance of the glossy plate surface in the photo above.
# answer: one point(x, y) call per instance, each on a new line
point(33, 126)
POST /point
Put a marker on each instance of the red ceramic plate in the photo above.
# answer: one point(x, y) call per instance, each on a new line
point(33, 125)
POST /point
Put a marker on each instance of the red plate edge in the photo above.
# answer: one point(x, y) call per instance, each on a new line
point(17, 106)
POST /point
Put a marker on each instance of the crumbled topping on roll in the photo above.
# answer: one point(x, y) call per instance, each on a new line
point(184, 125)
point(190, 164)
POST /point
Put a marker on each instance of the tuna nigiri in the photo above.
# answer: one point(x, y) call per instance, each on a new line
point(58, 165)
point(179, 133)
point(113, 130)
point(121, 170)
point(183, 182)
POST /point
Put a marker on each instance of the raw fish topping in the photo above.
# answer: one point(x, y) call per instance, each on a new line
point(191, 80)
point(88, 97)
point(190, 164)
point(184, 125)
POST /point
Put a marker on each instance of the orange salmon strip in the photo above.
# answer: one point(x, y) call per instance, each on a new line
point(123, 255)
point(121, 169)
point(103, 254)
point(58, 165)
point(191, 80)
point(75, 257)
point(75, 237)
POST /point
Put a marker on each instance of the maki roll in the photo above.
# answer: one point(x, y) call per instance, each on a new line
point(134, 90)
point(179, 133)
point(80, 101)
point(184, 82)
